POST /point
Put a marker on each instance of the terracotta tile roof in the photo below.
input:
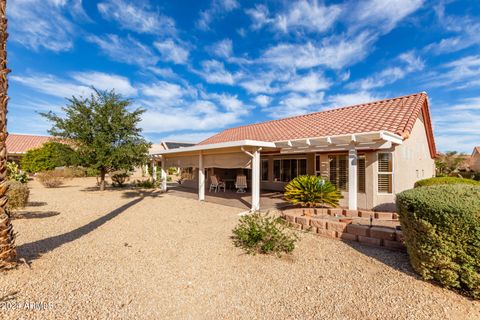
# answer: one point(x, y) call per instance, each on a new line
point(396, 115)
point(21, 143)
point(478, 149)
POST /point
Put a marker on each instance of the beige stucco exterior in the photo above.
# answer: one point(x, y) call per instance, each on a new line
point(475, 161)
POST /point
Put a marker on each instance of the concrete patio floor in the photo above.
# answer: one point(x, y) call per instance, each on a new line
point(268, 199)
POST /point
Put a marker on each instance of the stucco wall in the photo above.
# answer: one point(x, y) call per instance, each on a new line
point(475, 162)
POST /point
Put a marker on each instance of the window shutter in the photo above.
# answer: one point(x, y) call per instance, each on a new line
point(385, 173)
point(361, 174)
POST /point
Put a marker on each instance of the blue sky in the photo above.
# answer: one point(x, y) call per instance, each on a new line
point(198, 67)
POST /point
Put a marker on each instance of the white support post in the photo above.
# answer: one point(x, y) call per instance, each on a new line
point(154, 170)
point(352, 177)
point(201, 178)
point(256, 181)
point(163, 175)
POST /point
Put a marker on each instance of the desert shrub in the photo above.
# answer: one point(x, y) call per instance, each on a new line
point(74, 172)
point(264, 233)
point(51, 179)
point(312, 191)
point(445, 180)
point(441, 226)
point(18, 194)
point(119, 178)
point(48, 157)
point(92, 172)
point(14, 173)
point(146, 184)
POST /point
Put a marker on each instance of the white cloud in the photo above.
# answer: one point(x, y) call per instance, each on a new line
point(171, 51)
point(458, 74)
point(222, 49)
point(164, 92)
point(409, 62)
point(163, 72)
point(311, 82)
point(230, 102)
point(132, 15)
point(51, 85)
point(263, 100)
point(295, 104)
point(465, 29)
point(304, 15)
point(127, 50)
point(381, 14)
point(334, 52)
point(214, 72)
point(105, 81)
point(259, 15)
point(41, 24)
point(348, 99)
point(457, 130)
point(472, 103)
point(217, 9)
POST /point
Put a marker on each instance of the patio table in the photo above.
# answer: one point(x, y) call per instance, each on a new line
point(229, 183)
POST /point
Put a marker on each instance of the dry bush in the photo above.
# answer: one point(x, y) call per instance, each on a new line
point(18, 194)
point(51, 179)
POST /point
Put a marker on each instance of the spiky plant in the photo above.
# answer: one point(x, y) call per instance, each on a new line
point(8, 252)
point(312, 191)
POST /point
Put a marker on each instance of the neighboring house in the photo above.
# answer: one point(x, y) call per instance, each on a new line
point(168, 145)
point(19, 144)
point(369, 151)
point(475, 160)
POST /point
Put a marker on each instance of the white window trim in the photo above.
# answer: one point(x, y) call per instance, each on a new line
point(261, 170)
point(285, 158)
point(393, 176)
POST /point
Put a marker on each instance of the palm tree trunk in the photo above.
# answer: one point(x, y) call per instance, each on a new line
point(8, 252)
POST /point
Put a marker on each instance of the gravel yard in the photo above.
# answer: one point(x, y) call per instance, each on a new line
point(123, 254)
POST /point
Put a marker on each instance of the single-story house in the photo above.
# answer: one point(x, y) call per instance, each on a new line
point(370, 152)
point(168, 145)
point(475, 160)
point(19, 144)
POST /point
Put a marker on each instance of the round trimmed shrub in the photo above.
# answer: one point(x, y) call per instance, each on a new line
point(441, 227)
point(445, 180)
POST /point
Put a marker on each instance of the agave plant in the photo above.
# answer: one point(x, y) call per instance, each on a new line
point(312, 191)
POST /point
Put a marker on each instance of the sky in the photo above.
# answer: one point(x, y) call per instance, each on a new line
point(198, 67)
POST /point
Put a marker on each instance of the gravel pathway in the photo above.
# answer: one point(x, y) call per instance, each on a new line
point(125, 255)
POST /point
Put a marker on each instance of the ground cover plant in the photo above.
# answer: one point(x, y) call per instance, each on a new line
point(264, 233)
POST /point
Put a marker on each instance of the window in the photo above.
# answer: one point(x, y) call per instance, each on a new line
point(287, 169)
point(339, 172)
point(385, 173)
point(187, 173)
point(264, 169)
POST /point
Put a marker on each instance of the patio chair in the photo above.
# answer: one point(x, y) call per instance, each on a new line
point(215, 184)
point(241, 184)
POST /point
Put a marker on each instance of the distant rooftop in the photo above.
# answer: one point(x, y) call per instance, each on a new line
point(21, 143)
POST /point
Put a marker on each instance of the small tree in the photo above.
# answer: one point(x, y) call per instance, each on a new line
point(105, 133)
point(449, 163)
point(48, 157)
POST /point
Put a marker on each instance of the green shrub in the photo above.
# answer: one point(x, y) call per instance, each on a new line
point(18, 194)
point(264, 233)
point(51, 179)
point(169, 179)
point(172, 170)
point(146, 184)
point(14, 173)
point(92, 172)
point(445, 180)
point(441, 226)
point(48, 157)
point(312, 191)
point(119, 178)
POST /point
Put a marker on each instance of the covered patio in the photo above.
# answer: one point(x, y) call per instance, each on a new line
point(268, 199)
point(245, 155)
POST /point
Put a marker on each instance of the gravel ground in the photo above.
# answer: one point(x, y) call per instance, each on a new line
point(125, 255)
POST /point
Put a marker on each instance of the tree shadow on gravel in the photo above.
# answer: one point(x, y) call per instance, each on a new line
point(36, 204)
point(34, 250)
point(397, 260)
point(36, 214)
